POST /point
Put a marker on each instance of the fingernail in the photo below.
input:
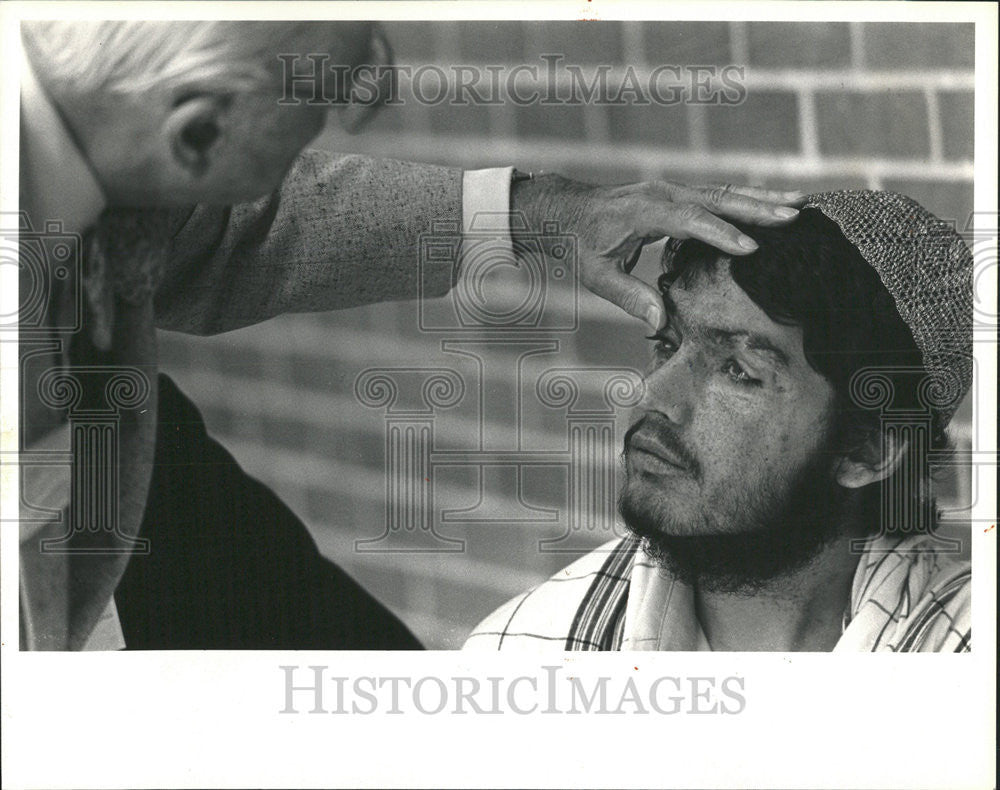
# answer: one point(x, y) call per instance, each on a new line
point(795, 194)
point(747, 243)
point(653, 317)
point(785, 212)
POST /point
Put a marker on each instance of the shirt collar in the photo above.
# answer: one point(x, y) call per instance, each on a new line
point(660, 613)
point(57, 182)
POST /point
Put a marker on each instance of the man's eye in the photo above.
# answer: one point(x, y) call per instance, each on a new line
point(738, 374)
point(662, 345)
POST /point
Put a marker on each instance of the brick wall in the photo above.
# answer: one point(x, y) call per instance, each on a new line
point(827, 105)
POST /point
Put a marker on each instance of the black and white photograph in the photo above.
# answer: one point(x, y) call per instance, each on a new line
point(346, 346)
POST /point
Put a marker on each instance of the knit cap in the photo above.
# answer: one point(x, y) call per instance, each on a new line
point(927, 269)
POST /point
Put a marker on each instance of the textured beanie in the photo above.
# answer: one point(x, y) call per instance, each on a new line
point(927, 269)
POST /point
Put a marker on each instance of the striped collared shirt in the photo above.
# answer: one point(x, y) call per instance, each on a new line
point(907, 596)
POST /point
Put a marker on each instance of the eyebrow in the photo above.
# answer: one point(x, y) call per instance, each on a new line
point(731, 337)
point(753, 342)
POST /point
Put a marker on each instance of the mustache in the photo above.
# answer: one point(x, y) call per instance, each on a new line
point(658, 428)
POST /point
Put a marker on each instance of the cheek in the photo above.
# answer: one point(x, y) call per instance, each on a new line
point(302, 124)
point(737, 437)
point(275, 142)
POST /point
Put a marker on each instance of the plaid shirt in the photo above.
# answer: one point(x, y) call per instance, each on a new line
point(906, 597)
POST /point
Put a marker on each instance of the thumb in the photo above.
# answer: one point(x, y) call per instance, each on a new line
point(634, 296)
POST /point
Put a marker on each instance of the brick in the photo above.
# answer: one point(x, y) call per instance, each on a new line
point(654, 124)
point(363, 317)
point(408, 117)
point(220, 422)
point(442, 606)
point(766, 121)
point(413, 43)
point(428, 85)
point(613, 342)
point(490, 42)
point(363, 444)
point(921, 45)
point(399, 318)
point(318, 374)
point(473, 119)
point(949, 200)
point(324, 505)
point(174, 348)
point(388, 583)
point(873, 124)
point(464, 604)
point(517, 544)
point(277, 431)
point(238, 363)
point(818, 184)
point(686, 43)
point(811, 45)
point(578, 42)
point(695, 177)
point(956, 110)
point(555, 120)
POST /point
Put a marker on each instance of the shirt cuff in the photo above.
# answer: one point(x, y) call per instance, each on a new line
point(486, 203)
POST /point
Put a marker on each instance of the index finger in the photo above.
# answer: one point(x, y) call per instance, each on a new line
point(753, 205)
point(692, 221)
point(793, 197)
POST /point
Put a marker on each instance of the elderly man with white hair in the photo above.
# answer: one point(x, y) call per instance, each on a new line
point(173, 151)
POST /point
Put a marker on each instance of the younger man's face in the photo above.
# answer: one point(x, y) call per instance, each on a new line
point(734, 424)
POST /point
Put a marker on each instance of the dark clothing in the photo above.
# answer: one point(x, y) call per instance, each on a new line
point(229, 565)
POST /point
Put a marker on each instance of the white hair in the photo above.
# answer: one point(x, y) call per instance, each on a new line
point(127, 57)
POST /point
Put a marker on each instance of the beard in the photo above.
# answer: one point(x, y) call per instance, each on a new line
point(780, 530)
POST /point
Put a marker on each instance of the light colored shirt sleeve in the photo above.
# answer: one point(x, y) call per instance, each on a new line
point(486, 202)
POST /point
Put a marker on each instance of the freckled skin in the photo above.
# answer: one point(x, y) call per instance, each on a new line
point(746, 439)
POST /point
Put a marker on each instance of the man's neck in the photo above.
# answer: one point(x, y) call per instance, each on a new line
point(802, 611)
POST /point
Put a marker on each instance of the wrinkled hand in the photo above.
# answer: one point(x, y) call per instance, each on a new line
point(611, 225)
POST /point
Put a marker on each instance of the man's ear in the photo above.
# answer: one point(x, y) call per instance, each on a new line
point(870, 463)
point(195, 129)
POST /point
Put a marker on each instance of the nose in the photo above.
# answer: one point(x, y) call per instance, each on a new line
point(671, 387)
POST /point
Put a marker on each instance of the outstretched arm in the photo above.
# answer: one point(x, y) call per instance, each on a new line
point(341, 231)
